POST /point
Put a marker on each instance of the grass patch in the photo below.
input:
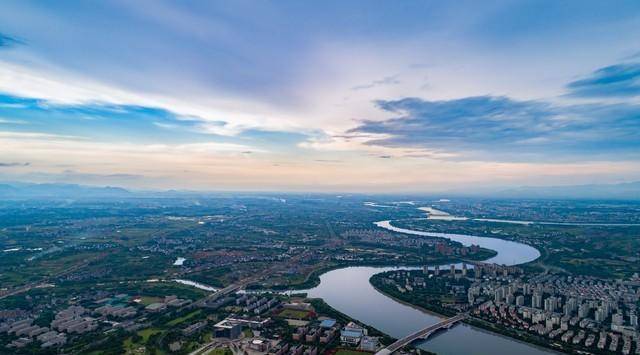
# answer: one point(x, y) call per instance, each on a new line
point(147, 333)
point(350, 352)
point(141, 338)
point(147, 300)
point(223, 351)
point(183, 318)
point(295, 314)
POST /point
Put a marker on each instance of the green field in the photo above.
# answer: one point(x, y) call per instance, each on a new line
point(295, 314)
point(350, 352)
point(147, 300)
point(183, 318)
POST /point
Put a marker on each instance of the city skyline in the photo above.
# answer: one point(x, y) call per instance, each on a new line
point(410, 97)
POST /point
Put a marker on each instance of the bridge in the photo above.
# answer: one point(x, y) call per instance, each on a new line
point(226, 291)
point(243, 283)
point(422, 334)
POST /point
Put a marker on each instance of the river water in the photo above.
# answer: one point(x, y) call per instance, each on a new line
point(349, 291)
point(509, 253)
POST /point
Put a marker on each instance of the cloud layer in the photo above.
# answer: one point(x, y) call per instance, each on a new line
point(620, 80)
point(7, 41)
point(340, 95)
point(490, 128)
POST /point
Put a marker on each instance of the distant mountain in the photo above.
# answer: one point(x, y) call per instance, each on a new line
point(623, 191)
point(20, 190)
point(51, 190)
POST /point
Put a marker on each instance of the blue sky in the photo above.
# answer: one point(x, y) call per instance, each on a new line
point(333, 96)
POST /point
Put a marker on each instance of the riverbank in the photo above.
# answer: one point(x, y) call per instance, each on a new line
point(523, 337)
point(508, 252)
point(587, 249)
point(414, 306)
point(322, 307)
point(349, 291)
point(313, 279)
point(346, 288)
point(473, 322)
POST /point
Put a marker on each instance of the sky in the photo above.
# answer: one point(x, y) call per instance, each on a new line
point(349, 96)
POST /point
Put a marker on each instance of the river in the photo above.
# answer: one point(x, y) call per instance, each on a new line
point(349, 291)
point(509, 253)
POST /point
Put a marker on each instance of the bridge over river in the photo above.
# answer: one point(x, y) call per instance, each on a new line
point(422, 334)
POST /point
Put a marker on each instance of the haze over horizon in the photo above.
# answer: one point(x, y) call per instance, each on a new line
point(333, 96)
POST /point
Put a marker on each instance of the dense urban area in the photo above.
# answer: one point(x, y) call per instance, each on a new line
point(183, 273)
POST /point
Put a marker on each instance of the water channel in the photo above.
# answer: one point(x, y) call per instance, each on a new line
point(349, 291)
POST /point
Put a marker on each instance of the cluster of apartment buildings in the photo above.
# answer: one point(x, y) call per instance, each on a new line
point(582, 311)
point(71, 320)
point(390, 239)
point(287, 349)
point(28, 333)
point(74, 320)
point(324, 332)
point(116, 311)
point(256, 305)
point(446, 249)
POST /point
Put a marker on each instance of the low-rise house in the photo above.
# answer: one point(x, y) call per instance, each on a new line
point(369, 343)
point(299, 333)
point(351, 334)
point(21, 342)
point(58, 340)
point(259, 345)
point(327, 335)
point(312, 335)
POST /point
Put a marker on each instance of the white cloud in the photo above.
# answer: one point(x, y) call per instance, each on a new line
point(12, 121)
point(37, 135)
point(63, 87)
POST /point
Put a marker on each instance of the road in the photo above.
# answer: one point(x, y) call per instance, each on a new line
point(244, 282)
point(421, 334)
point(45, 282)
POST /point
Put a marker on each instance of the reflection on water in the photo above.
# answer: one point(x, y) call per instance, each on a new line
point(196, 285)
point(509, 253)
point(349, 291)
